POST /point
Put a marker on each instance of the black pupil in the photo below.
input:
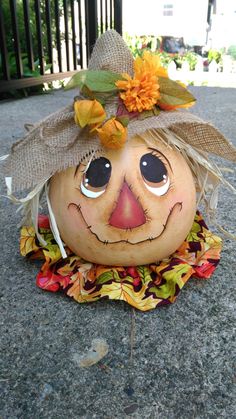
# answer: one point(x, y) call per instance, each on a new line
point(98, 173)
point(152, 168)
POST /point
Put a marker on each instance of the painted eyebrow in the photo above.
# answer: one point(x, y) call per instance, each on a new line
point(77, 168)
point(84, 163)
point(163, 155)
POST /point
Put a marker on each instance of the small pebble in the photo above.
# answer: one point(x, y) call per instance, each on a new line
point(46, 392)
point(129, 391)
point(99, 349)
point(131, 408)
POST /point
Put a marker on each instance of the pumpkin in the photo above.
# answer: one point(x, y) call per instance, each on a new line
point(127, 207)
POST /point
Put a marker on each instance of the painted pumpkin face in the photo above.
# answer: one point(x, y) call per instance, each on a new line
point(128, 207)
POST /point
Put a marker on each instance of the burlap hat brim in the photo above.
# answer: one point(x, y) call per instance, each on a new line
point(57, 143)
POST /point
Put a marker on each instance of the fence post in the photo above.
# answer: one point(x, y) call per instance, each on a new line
point(28, 35)
point(118, 16)
point(39, 35)
point(91, 9)
point(91, 18)
point(19, 65)
point(3, 48)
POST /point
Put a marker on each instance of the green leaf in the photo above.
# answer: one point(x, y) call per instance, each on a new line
point(172, 93)
point(124, 120)
point(165, 291)
point(144, 273)
point(105, 277)
point(173, 278)
point(101, 97)
point(86, 93)
point(52, 251)
point(147, 114)
point(47, 67)
point(31, 73)
point(193, 234)
point(96, 81)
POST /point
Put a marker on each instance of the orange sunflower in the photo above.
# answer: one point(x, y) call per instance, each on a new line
point(142, 92)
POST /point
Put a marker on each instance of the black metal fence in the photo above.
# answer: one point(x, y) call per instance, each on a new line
point(42, 41)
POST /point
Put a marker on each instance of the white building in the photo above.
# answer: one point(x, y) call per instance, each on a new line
point(179, 18)
point(183, 18)
point(222, 32)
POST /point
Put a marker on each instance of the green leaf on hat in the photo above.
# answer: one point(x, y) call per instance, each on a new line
point(124, 120)
point(103, 98)
point(172, 93)
point(147, 114)
point(99, 96)
point(96, 81)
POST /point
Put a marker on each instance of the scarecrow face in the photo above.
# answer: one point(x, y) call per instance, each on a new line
point(128, 207)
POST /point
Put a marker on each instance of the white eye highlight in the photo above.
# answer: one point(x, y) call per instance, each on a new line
point(161, 190)
point(89, 193)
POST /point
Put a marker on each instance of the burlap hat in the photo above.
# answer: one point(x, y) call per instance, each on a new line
point(57, 142)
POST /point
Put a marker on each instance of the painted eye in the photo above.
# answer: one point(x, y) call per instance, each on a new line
point(96, 178)
point(155, 175)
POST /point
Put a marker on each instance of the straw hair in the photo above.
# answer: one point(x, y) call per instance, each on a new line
point(57, 143)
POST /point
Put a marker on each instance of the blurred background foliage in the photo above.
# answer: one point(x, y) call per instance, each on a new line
point(21, 24)
point(27, 70)
point(139, 43)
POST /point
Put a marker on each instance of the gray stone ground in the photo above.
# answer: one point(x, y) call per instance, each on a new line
point(183, 356)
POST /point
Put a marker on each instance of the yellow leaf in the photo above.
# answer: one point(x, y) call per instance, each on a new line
point(88, 112)
point(27, 241)
point(173, 94)
point(125, 292)
point(112, 134)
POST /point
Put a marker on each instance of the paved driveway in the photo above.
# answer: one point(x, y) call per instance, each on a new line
point(183, 359)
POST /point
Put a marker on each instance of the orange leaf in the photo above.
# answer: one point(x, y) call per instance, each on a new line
point(112, 134)
point(88, 112)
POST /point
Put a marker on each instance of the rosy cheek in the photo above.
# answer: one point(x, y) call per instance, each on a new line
point(82, 213)
point(72, 217)
point(188, 203)
point(176, 198)
point(186, 196)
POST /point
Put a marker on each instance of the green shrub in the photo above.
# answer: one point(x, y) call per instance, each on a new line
point(191, 57)
point(27, 71)
point(138, 44)
point(215, 55)
point(165, 58)
point(5, 6)
point(232, 51)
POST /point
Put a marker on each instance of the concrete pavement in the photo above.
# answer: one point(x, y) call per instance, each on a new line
point(183, 359)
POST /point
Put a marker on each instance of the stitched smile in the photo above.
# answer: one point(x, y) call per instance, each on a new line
point(178, 205)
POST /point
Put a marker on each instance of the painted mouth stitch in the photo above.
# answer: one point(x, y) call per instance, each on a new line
point(106, 242)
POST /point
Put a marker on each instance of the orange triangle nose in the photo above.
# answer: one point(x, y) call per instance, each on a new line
point(128, 212)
